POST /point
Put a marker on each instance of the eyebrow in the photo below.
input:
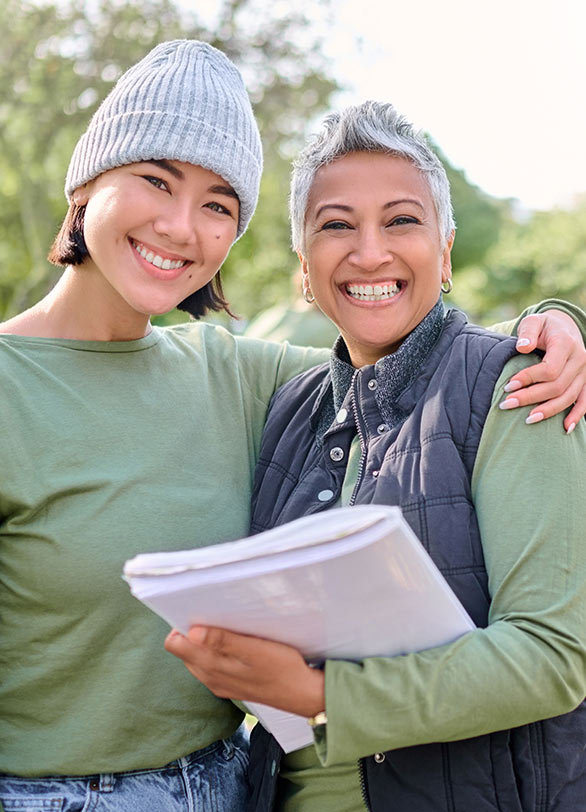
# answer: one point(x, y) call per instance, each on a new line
point(390, 204)
point(217, 189)
point(169, 167)
point(220, 189)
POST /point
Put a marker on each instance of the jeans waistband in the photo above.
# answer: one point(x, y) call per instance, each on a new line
point(104, 782)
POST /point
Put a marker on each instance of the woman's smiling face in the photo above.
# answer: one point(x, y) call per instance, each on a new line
point(156, 232)
point(374, 256)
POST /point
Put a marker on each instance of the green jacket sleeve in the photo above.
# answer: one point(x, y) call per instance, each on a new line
point(530, 662)
point(575, 312)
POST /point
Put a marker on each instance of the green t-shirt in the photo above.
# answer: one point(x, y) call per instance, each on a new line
point(109, 449)
point(528, 488)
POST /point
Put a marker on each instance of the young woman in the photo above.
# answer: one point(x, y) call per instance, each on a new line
point(407, 413)
point(119, 437)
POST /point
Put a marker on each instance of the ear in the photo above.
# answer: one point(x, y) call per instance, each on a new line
point(81, 195)
point(303, 263)
point(447, 258)
point(304, 270)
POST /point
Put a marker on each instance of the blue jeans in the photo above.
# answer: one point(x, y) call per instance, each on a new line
point(210, 780)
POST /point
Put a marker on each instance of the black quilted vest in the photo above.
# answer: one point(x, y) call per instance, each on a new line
point(425, 466)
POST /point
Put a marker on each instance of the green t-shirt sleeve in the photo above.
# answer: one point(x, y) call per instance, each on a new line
point(575, 312)
point(530, 662)
point(267, 365)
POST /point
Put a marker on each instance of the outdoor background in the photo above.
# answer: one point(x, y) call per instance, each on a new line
point(499, 87)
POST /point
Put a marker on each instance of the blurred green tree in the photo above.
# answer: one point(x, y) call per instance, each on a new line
point(540, 258)
point(479, 217)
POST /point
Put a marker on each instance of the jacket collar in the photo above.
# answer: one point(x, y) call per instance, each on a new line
point(394, 373)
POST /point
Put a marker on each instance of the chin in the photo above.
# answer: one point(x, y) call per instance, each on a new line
point(154, 308)
point(160, 311)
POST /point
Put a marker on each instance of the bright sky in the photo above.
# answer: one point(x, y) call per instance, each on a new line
point(500, 85)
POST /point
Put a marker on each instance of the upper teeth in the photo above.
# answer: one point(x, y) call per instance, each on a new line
point(156, 260)
point(372, 293)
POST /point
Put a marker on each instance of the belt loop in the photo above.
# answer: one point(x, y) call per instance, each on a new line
point(228, 749)
point(106, 782)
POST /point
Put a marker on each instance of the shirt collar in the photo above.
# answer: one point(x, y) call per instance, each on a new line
point(394, 372)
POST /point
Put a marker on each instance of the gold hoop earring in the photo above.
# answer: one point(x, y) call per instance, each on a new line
point(449, 286)
point(308, 295)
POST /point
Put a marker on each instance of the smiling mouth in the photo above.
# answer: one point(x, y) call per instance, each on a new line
point(164, 263)
point(374, 293)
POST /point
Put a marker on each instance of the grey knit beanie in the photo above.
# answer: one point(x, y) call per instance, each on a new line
point(184, 101)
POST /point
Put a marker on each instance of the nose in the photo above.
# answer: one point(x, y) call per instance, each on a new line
point(176, 222)
point(371, 249)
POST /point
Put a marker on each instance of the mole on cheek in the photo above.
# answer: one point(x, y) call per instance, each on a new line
point(217, 236)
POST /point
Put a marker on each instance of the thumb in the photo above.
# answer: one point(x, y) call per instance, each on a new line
point(528, 332)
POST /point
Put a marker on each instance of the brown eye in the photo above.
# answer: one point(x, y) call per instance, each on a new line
point(334, 225)
point(403, 220)
point(215, 206)
point(158, 183)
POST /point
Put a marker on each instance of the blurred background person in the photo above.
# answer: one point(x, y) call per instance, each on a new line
point(297, 320)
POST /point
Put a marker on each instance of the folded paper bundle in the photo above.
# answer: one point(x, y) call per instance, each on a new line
point(348, 583)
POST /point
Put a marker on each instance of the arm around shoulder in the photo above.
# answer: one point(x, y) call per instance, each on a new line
point(530, 662)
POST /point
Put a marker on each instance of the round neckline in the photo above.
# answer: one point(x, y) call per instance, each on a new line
point(85, 345)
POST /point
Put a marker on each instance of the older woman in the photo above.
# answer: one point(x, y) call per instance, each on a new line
point(407, 413)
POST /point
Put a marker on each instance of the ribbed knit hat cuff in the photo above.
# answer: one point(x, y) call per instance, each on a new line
point(127, 138)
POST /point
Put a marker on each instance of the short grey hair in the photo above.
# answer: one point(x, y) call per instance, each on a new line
point(368, 127)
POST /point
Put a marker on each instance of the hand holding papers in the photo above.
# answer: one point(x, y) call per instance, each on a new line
point(348, 583)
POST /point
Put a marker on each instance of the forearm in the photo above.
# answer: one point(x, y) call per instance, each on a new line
point(576, 313)
point(530, 663)
point(384, 704)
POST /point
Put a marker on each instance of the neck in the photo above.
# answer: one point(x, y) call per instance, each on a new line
point(396, 370)
point(79, 307)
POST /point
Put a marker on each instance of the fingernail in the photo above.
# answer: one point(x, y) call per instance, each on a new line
point(535, 418)
point(198, 634)
point(509, 403)
point(571, 428)
point(523, 342)
point(512, 386)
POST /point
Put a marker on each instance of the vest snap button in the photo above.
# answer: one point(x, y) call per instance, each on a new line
point(382, 428)
point(372, 384)
point(337, 454)
point(342, 415)
point(379, 757)
point(375, 474)
point(325, 495)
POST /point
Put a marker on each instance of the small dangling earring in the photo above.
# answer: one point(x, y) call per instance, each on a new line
point(447, 286)
point(308, 295)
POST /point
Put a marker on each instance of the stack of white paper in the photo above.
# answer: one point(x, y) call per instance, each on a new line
point(348, 583)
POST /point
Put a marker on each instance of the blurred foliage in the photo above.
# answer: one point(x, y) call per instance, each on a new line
point(479, 217)
point(60, 59)
point(541, 258)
